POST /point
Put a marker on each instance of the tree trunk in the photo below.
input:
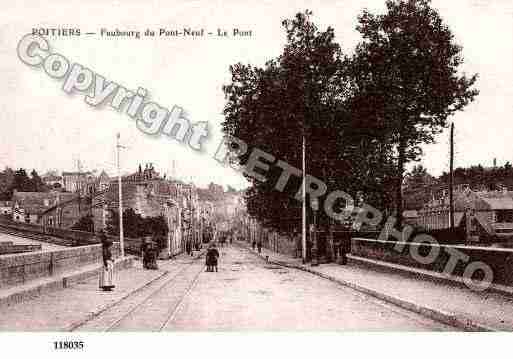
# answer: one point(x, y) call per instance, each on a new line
point(400, 173)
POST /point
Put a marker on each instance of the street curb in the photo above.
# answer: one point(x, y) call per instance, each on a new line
point(434, 314)
point(56, 283)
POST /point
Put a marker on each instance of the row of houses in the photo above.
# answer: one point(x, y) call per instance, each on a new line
point(191, 213)
point(483, 214)
point(62, 206)
point(85, 183)
point(54, 208)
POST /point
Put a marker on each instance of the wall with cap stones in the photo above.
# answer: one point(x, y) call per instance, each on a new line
point(22, 268)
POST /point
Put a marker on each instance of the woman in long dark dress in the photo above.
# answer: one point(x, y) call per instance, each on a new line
point(212, 255)
point(107, 272)
point(152, 252)
point(208, 261)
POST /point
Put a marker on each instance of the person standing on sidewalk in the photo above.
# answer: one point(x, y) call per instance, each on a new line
point(107, 272)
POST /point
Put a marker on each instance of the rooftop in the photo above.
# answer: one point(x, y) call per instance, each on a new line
point(38, 202)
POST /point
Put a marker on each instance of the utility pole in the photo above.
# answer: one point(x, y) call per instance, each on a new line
point(451, 179)
point(79, 186)
point(303, 193)
point(168, 211)
point(120, 200)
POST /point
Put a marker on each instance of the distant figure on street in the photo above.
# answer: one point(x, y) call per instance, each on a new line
point(188, 247)
point(152, 254)
point(309, 246)
point(107, 272)
point(211, 258)
point(299, 245)
point(253, 245)
point(259, 246)
point(144, 247)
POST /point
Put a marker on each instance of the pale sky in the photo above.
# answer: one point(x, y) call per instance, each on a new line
point(42, 127)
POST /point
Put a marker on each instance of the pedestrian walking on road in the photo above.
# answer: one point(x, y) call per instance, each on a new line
point(107, 272)
point(188, 248)
point(259, 245)
point(144, 255)
point(253, 245)
point(211, 258)
point(151, 255)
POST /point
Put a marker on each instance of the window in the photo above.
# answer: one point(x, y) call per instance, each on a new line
point(504, 216)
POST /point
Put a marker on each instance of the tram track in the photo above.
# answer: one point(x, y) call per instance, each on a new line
point(149, 312)
point(176, 309)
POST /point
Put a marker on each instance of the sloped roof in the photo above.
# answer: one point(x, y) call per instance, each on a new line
point(34, 202)
point(497, 199)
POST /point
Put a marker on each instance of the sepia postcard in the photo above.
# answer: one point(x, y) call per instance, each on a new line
point(225, 167)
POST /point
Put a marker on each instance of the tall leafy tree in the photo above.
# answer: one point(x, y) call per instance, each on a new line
point(21, 182)
point(418, 187)
point(136, 226)
point(294, 96)
point(85, 223)
point(37, 183)
point(407, 70)
point(6, 178)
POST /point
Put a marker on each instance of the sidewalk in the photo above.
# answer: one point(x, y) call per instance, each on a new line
point(62, 310)
point(444, 301)
point(13, 295)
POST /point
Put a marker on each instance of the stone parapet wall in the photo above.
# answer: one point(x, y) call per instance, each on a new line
point(68, 237)
point(22, 268)
point(500, 260)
